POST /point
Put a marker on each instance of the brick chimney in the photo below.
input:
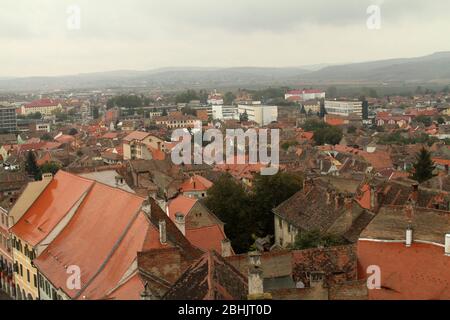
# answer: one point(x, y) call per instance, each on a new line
point(162, 232)
point(373, 196)
point(348, 202)
point(226, 248)
point(255, 276)
point(308, 184)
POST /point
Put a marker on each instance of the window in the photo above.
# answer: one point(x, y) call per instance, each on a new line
point(21, 270)
point(35, 281)
point(28, 275)
point(280, 223)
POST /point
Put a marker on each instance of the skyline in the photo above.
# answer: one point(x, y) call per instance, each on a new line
point(146, 35)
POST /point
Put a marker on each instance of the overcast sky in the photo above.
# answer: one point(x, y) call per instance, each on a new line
point(146, 34)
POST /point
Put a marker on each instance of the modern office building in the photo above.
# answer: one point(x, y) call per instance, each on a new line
point(344, 108)
point(261, 114)
point(8, 118)
point(225, 112)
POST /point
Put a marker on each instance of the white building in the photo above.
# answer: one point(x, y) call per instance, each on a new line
point(304, 95)
point(261, 114)
point(343, 108)
point(225, 113)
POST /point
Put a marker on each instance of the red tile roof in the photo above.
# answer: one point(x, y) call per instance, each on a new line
point(51, 206)
point(42, 103)
point(180, 204)
point(100, 231)
point(196, 183)
point(65, 139)
point(207, 238)
point(136, 135)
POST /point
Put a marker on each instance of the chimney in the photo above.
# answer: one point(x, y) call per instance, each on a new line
point(409, 237)
point(146, 207)
point(180, 222)
point(447, 245)
point(373, 197)
point(226, 248)
point(316, 279)
point(348, 202)
point(308, 184)
point(330, 194)
point(255, 276)
point(47, 176)
point(162, 232)
point(147, 294)
point(415, 192)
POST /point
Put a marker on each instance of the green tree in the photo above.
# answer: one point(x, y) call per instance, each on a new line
point(441, 120)
point(46, 137)
point(50, 167)
point(228, 200)
point(268, 193)
point(243, 117)
point(328, 135)
point(427, 121)
point(424, 167)
point(351, 129)
point(229, 98)
point(31, 166)
point(314, 239)
point(187, 96)
point(95, 113)
point(73, 132)
point(164, 113)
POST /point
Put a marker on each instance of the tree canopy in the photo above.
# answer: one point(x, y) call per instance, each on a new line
point(314, 239)
point(249, 215)
point(424, 167)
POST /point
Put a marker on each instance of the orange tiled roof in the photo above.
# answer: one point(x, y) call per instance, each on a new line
point(442, 162)
point(207, 238)
point(50, 207)
point(180, 204)
point(196, 183)
point(100, 231)
point(136, 135)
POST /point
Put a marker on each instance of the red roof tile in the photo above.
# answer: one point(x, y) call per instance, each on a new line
point(136, 135)
point(100, 231)
point(180, 204)
point(196, 183)
point(51, 206)
point(207, 238)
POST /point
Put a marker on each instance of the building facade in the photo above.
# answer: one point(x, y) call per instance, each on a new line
point(8, 118)
point(221, 112)
point(344, 108)
point(261, 114)
point(44, 106)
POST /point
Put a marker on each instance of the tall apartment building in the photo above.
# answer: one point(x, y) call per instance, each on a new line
point(8, 118)
point(261, 114)
point(344, 108)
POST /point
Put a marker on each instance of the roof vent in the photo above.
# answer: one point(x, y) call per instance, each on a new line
point(409, 237)
point(447, 244)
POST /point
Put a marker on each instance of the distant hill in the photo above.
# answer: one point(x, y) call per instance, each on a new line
point(423, 69)
point(431, 68)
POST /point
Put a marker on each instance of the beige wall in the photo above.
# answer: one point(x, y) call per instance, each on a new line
point(283, 236)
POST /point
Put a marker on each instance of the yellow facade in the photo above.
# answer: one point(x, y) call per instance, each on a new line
point(25, 275)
